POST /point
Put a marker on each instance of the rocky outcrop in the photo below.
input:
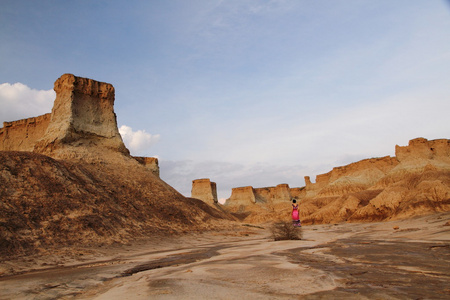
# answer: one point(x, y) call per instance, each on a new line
point(150, 163)
point(257, 204)
point(82, 125)
point(80, 186)
point(416, 181)
point(279, 193)
point(82, 118)
point(204, 190)
point(266, 195)
point(421, 152)
point(241, 196)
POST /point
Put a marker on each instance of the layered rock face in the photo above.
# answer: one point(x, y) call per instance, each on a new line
point(241, 196)
point(421, 152)
point(204, 190)
point(279, 193)
point(414, 182)
point(82, 123)
point(257, 204)
point(22, 135)
point(351, 178)
point(82, 115)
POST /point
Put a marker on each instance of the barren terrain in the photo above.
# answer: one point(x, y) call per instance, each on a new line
point(82, 219)
point(407, 259)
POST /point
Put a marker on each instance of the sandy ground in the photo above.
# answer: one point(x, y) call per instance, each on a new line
point(408, 259)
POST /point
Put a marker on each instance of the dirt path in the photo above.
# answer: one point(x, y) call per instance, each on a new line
point(345, 261)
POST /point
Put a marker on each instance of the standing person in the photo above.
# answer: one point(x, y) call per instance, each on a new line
point(295, 216)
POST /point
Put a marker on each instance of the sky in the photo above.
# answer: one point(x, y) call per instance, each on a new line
point(245, 93)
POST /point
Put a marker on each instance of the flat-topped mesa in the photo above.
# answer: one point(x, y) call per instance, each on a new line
point(204, 190)
point(82, 115)
point(241, 196)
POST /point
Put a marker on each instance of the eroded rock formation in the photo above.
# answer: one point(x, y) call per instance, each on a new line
point(82, 115)
point(82, 125)
point(266, 195)
point(22, 135)
point(242, 196)
point(354, 177)
point(204, 190)
point(79, 185)
point(416, 181)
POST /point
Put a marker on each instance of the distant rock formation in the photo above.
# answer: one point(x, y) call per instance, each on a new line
point(242, 196)
point(351, 178)
point(249, 195)
point(416, 181)
point(204, 190)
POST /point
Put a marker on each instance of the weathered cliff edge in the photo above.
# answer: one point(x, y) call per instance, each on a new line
point(414, 182)
point(66, 178)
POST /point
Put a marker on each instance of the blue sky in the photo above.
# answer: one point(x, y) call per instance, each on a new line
point(242, 92)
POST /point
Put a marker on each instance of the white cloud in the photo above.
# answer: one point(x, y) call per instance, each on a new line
point(18, 101)
point(138, 142)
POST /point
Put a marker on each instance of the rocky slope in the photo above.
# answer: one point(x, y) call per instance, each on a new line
point(80, 186)
point(48, 202)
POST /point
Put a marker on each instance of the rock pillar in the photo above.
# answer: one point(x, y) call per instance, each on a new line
point(82, 115)
point(204, 190)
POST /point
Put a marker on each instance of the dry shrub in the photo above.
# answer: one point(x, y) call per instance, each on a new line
point(284, 230)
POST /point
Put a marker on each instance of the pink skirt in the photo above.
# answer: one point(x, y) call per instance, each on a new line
point(295, 215)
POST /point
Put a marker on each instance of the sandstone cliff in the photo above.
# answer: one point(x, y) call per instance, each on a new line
point(80, 186)
point(83, 121)
point(23, 134)
point(414, 182)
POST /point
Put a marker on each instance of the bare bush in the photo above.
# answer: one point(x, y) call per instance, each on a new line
point(284, 230)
